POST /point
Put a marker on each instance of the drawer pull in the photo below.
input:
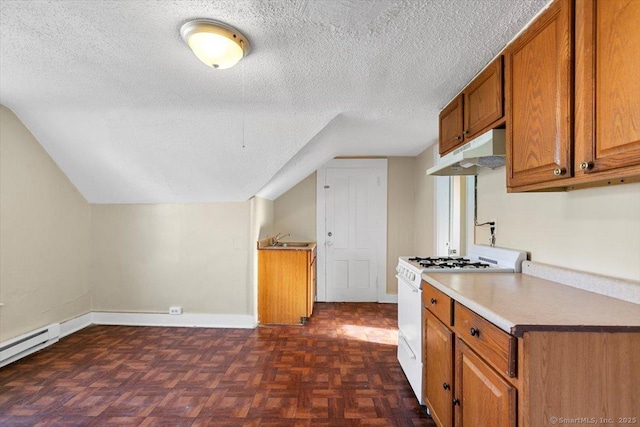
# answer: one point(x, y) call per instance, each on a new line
point(474, 332)
point(446, 386)
point(456, 401)
point(433, 300)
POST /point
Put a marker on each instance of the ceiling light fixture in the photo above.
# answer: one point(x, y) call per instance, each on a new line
point(215, 43)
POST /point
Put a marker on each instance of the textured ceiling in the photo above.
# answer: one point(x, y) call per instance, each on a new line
point(131, 116)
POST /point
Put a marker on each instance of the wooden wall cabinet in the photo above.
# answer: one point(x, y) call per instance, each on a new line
point(538, 97)
point(573, 120)
point(607, 88)
point(286, 285)
point(451, 131)
point(477, 109)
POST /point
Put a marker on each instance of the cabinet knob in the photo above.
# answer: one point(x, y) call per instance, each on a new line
point(586, 166)
point(559, 171)
point(456, 401)
point(474, 332)
point(458, 138)
point(433, 300)
point(446, 386)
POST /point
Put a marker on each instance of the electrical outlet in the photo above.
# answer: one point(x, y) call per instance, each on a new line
point(175, 309)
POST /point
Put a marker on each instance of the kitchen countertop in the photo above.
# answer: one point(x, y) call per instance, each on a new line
point(265, 244)
point(518, 303)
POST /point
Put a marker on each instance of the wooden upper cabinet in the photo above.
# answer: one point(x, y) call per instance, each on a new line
point(484, 398)
point(478, 108)
point(538, 90)
point(607, 86)
point(483, 100)
point(451, 132)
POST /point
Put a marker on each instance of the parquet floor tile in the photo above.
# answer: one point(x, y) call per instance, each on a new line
point(340, 369)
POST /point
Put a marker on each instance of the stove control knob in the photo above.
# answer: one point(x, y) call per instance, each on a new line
point(412, 276)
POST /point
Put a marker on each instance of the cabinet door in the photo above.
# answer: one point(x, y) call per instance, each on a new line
point(607, 85)
point(451, 126)
point(483, 100)
point(485, 399)
point(438, 370)
point(282, 286)
point(311, 283)
point(538, 93)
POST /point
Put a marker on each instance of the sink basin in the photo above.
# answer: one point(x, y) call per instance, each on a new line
point(292, 244)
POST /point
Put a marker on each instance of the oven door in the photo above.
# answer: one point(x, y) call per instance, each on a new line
point(410, 315)
point(410, 334)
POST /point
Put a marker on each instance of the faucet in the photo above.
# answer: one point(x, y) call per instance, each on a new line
point(276, 239)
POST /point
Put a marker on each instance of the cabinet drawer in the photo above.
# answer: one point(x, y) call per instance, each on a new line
point(437, 302)
point(492, 343)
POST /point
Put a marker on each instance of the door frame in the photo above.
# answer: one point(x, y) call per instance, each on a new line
point(381, 167)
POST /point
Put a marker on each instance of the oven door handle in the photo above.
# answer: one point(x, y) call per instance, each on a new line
point(403, 280)
point(403, 340)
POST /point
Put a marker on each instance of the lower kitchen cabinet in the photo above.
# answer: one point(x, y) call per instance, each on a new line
point(483, 397)
point(478, 374)
point(438, 388)
point(286, 285)
point(474, 393)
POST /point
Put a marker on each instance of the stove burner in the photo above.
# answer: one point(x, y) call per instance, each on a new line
point(448, 262)
point(437, 259)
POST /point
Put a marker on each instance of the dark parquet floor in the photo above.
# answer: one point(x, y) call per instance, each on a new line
point(340, 369)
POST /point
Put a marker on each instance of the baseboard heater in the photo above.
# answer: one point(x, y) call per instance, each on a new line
point(28, 343)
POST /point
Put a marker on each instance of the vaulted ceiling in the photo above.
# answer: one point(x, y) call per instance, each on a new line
point(131, 116)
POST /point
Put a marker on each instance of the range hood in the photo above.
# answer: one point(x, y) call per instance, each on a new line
point(487, 150)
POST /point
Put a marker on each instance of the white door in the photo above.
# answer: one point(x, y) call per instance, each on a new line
point(354, 230)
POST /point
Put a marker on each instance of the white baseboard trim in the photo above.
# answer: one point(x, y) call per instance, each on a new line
point(389, 298)
point(184, 320)
point(75, 324)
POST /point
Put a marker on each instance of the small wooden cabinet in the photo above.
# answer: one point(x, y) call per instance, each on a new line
point(286, 285)
point(477, 109)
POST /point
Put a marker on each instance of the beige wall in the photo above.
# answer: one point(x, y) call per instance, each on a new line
point(424, 208)
point(295, 211)
point(400, 214)
point(44, 236)
point(595, 230)
point(148, 257)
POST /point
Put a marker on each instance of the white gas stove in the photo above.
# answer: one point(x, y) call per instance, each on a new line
point(480, 259)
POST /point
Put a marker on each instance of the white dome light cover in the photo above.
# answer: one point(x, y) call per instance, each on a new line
point(215, 43)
